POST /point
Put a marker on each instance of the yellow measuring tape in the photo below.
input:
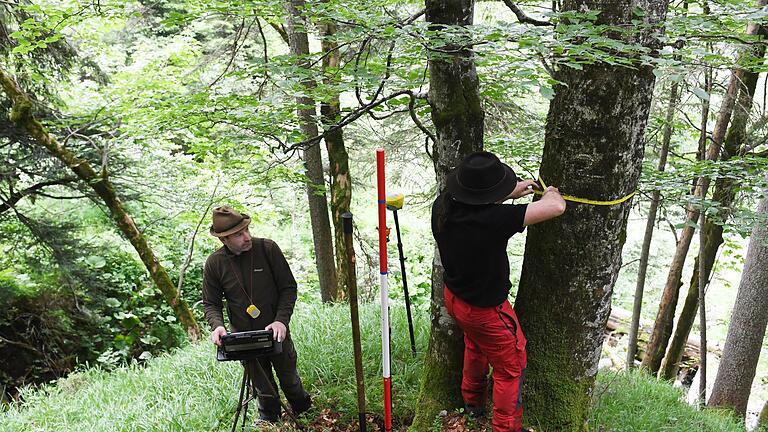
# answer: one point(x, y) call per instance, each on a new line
point(584, 200)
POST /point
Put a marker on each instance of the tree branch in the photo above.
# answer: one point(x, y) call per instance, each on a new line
point(266, 57)
point(349, 118)
point(19, 344)
point(523, 18)
point(17, 196)
point(416, 120)
point(191, 248)
point(281, 31)
point(236, 45)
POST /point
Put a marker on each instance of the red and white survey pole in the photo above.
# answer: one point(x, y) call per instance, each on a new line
point(384, 290)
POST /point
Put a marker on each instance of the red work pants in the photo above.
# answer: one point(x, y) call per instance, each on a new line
point(492, 335)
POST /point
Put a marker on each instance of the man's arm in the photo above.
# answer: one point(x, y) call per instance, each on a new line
point(551, 205)
point(286, 291)
point(213, 305)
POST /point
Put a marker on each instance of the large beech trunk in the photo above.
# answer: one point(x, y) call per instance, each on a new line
point(99, 182)
point(593, 149)
point(458, 118)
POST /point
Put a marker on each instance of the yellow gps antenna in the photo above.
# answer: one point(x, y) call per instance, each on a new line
point(395, 202)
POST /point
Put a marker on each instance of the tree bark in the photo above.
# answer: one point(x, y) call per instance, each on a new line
point(99, 182)
point(458, 117)
point(649, 225)
point(724, 195)
point(593, 148)
point(313, 163)
point(702, 317)
point(748, 322)
point(341, 179)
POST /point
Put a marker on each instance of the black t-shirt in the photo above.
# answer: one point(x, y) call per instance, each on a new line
point(473, 249)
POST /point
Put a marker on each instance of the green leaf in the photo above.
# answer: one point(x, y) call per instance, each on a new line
point(701, 93)
point(112, 302)
point(547, 92)
point(96, 261)
point(149, 340)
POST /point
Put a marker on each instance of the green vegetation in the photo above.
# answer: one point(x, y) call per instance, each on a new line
point(187, 390)
point(635, 402)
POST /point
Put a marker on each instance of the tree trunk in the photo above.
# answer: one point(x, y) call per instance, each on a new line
point(762, 421)
point(702, 317)
point(458, 118)
point(662, 329)
point(99, 182)
point(741, 86)
point(593, 148)
point(748, 323)
point(341, 180)
point(621, 318)
point(649, 225)
point(318, 203)
point(724, 194)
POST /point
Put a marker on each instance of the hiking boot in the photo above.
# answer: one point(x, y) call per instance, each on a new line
point(302, 407)
point(474, 411)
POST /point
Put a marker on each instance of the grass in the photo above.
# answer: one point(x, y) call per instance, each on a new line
point(187, 390)
point(637, 402)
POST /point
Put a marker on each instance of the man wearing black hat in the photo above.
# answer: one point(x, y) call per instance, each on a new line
point(472, 227)
point(253, 276)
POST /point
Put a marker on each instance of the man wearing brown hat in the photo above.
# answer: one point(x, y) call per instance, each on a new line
point(253, 276)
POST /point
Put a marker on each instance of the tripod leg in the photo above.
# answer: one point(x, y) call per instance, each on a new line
point(248, 393)
point(240, 400)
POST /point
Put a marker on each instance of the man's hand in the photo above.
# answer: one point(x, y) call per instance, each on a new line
point(278, 330)
point(217, 333)
point(552, 195)
point(522, 189)
point(550, 205)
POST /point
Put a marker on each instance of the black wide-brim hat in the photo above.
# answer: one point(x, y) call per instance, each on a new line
point(481, 178)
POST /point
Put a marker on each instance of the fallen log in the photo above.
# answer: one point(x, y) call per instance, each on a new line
point(618, 324)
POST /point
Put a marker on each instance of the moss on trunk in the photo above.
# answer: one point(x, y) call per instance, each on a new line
point(593, 149)
point(338, 158)
point(458, 118)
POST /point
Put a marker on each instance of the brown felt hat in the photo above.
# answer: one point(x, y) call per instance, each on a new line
point(227, 220)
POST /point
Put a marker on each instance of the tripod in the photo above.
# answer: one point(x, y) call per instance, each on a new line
point(249, 392)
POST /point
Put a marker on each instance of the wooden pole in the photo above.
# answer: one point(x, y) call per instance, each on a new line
point(354, 317)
